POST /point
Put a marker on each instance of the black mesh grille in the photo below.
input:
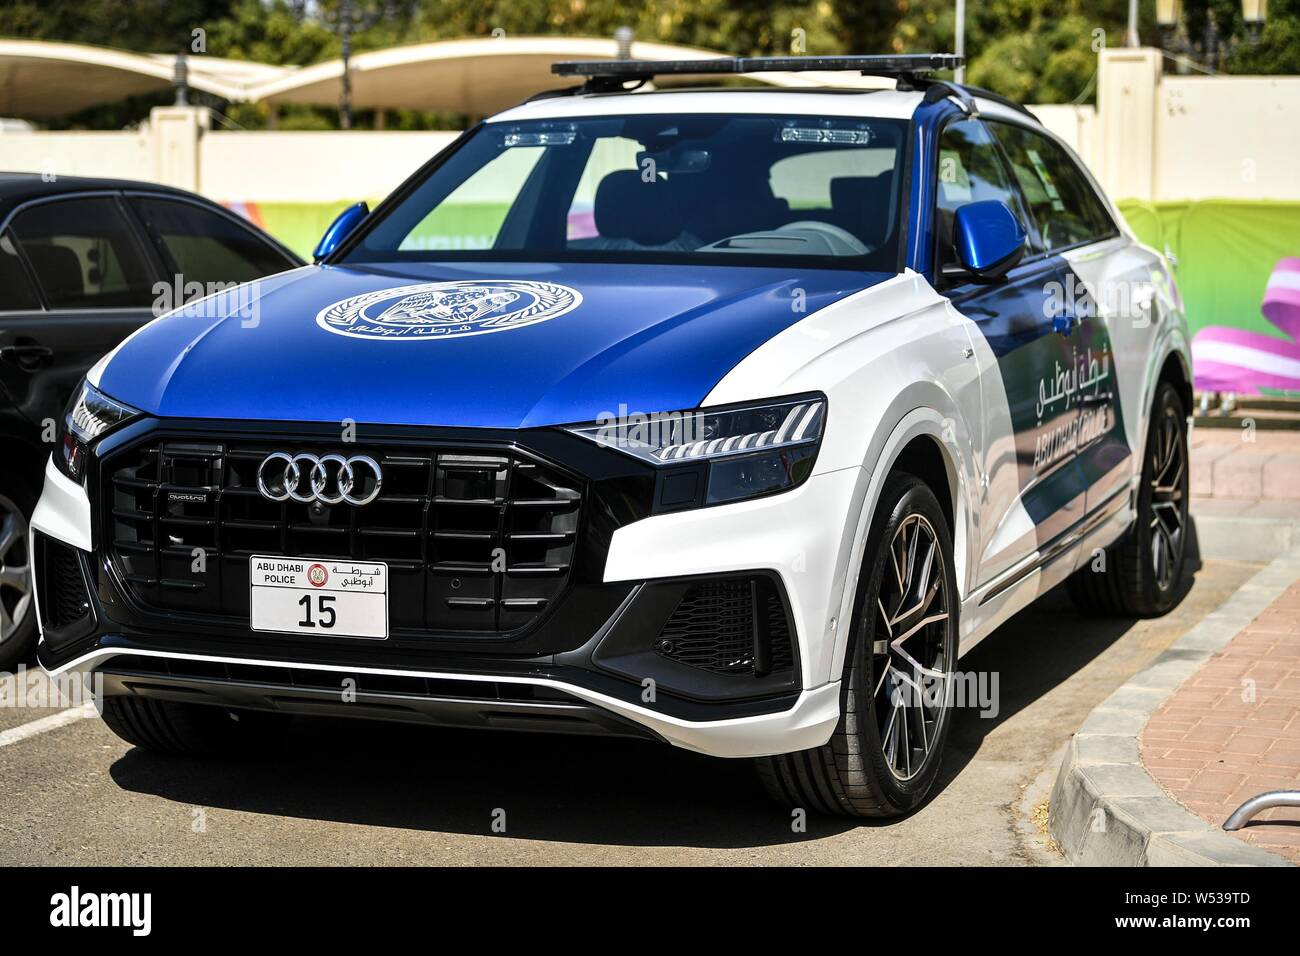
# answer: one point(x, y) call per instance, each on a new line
point(715, 628)
point(475, 541)
point(64, 600)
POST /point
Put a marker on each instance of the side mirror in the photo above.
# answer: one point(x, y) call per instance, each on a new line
point(342, 226)
point(989, 239)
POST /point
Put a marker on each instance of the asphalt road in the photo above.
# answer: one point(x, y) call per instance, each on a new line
point(340, 792)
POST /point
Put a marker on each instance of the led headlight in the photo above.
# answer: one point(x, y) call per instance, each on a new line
point(713, 455)
point(89, 415)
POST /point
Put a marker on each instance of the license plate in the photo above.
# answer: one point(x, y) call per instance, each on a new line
point(323, 596)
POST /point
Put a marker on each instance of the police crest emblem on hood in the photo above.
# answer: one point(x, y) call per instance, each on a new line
point(445, 310)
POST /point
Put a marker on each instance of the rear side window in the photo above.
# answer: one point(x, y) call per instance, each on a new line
point(206, 246)
point(16, 293)
point(1067, 210)
point(84, 254)
point(970, 170)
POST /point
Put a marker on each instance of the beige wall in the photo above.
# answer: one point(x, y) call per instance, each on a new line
point(1228, 137)
point(310, 167)
point(1127, 90)
point(123, 155)
point(178, 149)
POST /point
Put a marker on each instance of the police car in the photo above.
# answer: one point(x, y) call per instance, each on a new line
point(727, 418)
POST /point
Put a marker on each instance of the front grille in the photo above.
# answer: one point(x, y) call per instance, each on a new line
point(476, 542)
point(730, 626)
point(65, 602)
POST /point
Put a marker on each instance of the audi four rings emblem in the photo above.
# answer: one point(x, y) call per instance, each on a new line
point(328, 479)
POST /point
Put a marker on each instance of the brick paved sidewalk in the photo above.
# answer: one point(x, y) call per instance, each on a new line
point(1232, 730)
point(1225, 465)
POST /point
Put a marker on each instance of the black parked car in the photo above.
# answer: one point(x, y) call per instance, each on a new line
point(80, 265)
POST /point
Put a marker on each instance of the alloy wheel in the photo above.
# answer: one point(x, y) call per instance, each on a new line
point(15, 570)
point(1168, 467)
point(910, 655)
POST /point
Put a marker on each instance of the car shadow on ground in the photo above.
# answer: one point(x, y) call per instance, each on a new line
point(583, 789)
point(1036, 650)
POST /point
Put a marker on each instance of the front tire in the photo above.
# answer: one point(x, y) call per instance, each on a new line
point(178, 728)
point(896, 691)
point(1141, 573)
point(17, 603)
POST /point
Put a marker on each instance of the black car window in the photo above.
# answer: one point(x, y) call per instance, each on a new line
point(206, 246)
point(84, 254)
point(970, 170)
point(1064, 204)
point(16, 293)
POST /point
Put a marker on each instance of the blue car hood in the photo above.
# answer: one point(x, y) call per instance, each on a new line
point(409, 344)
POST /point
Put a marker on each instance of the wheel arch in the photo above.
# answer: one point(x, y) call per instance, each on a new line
point(921, 443)
point(1176, 371)
point(924, 457)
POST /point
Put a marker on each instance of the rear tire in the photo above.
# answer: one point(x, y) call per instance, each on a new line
point(178, 728)
point(903, 638)
point(1141, 573)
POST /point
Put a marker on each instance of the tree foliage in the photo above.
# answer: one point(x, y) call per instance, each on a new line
point(1026, 49)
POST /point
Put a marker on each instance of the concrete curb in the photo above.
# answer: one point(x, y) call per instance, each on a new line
point(1245, 538)
point(1106, 810)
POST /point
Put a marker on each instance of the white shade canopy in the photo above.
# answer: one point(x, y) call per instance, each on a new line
point(475, 77)
point(39, 79)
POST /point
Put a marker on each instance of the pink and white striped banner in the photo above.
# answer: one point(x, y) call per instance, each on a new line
point(1225, 359)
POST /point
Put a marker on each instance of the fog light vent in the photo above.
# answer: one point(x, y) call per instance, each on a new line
point(64, 597)
point(730, 626)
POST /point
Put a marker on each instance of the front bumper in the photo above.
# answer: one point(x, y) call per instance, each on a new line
point(565, 683)
point(807, 722)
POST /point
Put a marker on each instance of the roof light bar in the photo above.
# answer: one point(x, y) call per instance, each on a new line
point(909, 65)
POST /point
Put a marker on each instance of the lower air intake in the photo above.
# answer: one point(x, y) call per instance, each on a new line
point(730, 626)
point(65, 601)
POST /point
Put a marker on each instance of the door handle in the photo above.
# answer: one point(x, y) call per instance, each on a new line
point(1063, 323)
point(27, 357)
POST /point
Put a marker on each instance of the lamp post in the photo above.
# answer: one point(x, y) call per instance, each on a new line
point(959, 41)
point(1214, 46)
point(1168, 15)
point(1254, 13)
point(623, 37)
point(181, 79)
point(348, 20)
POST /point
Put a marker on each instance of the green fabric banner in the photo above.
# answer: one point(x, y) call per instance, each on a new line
point(1226, 251)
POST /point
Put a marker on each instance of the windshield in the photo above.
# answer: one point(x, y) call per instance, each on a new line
point(695, 188)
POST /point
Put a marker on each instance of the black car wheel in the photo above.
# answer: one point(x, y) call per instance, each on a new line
point(1140, 575)
point(896, 692)
point(182, 728)
point(17, 602)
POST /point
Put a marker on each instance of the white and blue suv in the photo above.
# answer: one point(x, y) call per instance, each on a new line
point(729, 418)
